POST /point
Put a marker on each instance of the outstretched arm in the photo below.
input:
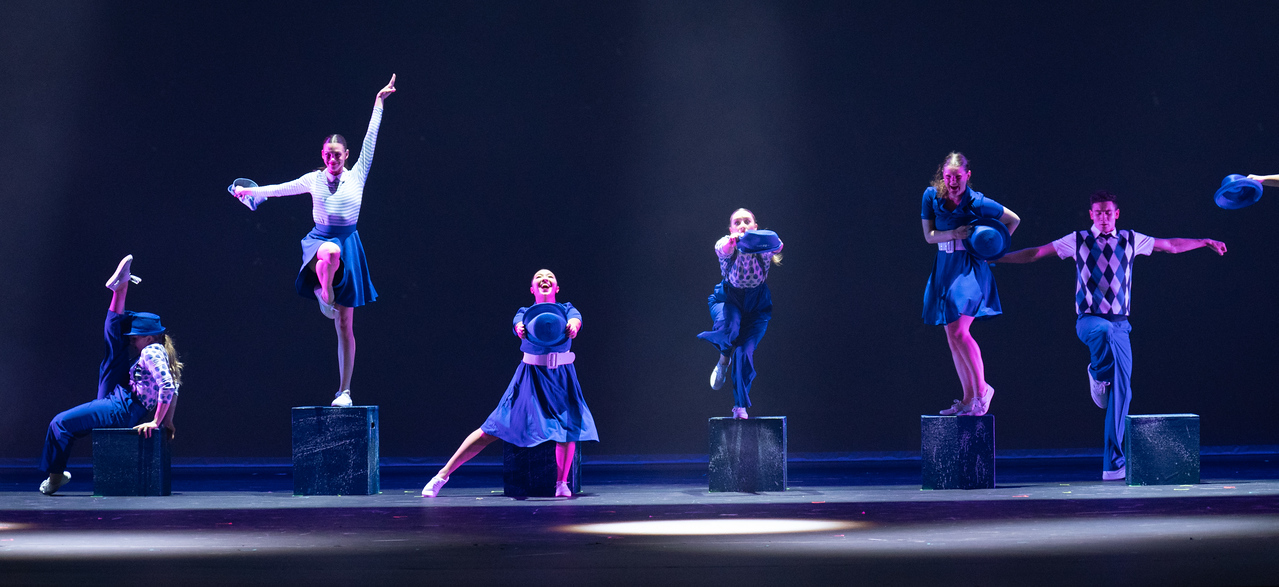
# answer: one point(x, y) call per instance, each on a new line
point(933, 236)
point(361, 167)
point(1270, 180)
point(1028, 255)
point(1181, 245)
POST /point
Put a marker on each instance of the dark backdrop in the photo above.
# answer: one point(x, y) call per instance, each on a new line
point(609, 141)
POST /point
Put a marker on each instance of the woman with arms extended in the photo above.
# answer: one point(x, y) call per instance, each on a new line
point(961, 287)
point(741, 305)
point(139, 376)
point(334, 269)
point(544, 401)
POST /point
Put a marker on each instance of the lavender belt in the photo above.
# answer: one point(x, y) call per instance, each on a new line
point(550, 360)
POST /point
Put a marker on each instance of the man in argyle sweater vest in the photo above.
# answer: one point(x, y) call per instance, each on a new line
point(1103, 259)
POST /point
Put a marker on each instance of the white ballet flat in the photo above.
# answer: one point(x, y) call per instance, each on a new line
point(122, 275)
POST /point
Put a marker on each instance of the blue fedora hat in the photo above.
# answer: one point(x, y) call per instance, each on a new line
point(989, 240)
point(544, 324)
point(244, 182)
point(144, 324)
point(1237, 191)
point(758, 241)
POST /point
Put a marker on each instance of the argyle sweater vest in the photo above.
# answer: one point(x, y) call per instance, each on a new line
point(1104, 266)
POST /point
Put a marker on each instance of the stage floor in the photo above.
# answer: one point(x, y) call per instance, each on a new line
point(1049, 522)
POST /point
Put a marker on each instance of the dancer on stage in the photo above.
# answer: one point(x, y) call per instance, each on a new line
point(961, 288)
point(1103, 257)
point(139, 376)
point(334, 270)
point(741, 305)
point(544, 401)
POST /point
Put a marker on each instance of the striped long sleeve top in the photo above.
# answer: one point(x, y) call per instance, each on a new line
point(334, 201)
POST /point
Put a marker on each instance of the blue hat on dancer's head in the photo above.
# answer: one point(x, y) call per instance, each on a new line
point(758, 241)
point(1237, 191)
point(545, 324)
point(144, 324)
point(990, 239)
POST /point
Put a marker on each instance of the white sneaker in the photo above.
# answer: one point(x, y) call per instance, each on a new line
point(434, 486)
point(719, 375)
point(958, 407)
point(739, 413)
point(1098, 389)
point(561, 489)
point(342, 400)
point(1117, 475)
point(48, 488)
point(330, 311)
point(980, 405)
point(122, 275)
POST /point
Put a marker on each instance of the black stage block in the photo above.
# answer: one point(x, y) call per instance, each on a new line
point(958, 451)
point(1162, 449)
point(127, 463)
point(747, 455)
point(530, 472)
point(335, 451)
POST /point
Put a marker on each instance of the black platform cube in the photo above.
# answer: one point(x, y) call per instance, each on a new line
point(530, 472)
point(335, 451)
point(958, 452)
point(747, 455)
point(1162, 449)
point(127, 463)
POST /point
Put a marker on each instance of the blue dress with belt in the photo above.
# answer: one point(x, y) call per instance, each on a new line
point(960, 284)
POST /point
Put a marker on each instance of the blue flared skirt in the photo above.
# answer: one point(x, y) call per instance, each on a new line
point(960, 285)
point(542, 404)
point(351, 283)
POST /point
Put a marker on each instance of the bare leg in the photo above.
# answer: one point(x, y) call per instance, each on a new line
point(961, 368)
point(345, 325)
point(117, 298)
point(969, 355)
point(327, 261)
point(564, 460)
point(470, 447)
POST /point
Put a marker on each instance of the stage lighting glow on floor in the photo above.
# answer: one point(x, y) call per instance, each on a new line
point(712, 527)
point(12, 526)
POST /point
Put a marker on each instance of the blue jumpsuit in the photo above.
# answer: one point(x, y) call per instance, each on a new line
point(740, 316)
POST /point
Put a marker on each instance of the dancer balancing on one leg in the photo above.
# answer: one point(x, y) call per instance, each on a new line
point(961, 288)
point(741, 305)
point(334, 269)
point(139, 377)
point(544, 401)
point(1103, 257)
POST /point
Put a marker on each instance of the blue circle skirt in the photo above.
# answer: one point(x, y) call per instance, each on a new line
point(352, 285)
point(961, 285)
point(542, 404)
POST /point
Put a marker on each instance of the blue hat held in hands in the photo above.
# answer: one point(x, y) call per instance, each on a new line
point(990, 239)
point(1237, 191)
point(545, 324)
point(754, 242)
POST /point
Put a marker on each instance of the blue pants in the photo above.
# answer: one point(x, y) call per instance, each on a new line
point(1111, 361)
point(741, 316)
point(115, 407)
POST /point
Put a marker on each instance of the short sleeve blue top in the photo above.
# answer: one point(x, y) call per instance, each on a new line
point(972, 205)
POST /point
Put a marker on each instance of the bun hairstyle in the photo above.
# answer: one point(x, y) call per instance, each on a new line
point(954, 159)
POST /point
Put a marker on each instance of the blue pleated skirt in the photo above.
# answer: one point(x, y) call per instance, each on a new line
point(542, 404)
point(960, 285)
point(352, 285)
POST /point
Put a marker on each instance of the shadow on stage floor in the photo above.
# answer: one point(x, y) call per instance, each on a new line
point(1049, 522)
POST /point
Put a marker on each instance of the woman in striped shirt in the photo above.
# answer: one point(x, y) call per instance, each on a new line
point(334, 270)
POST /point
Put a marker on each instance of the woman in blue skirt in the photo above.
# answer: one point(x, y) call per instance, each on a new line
point(961, 287)
point(741, 307)
point(139, 377)
point(544, 401)
point(334, 270)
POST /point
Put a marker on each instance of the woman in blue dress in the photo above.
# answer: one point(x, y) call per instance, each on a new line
point(961, 288)
point(542, 403)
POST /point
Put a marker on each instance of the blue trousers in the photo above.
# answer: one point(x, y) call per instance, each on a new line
point(1110, 361)
point(741, 317)
point(118, 410)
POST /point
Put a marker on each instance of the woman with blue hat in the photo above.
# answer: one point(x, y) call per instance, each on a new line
point(741, 305)
point(334, 270)
point(139, 376)
point(969, 229)
point(544, 400)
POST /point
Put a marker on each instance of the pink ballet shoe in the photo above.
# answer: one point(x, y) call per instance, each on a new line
point(980, 405)
point(122, 275)
point(562, 490)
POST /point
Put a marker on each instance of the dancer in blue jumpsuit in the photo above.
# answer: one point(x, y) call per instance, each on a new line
point(139, 376)
point(1103, 257)
point(961, 288)
point(542, 403)
point(740, 309)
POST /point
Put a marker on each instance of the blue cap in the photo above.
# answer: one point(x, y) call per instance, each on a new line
point(758, 241)
point(545, 324)
point(144, 324)
point(1237, 191)
point(989, 240)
